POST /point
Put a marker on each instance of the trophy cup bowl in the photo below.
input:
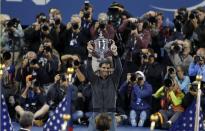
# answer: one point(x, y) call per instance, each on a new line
point(101, 47)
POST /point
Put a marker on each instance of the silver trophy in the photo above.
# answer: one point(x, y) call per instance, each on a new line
point(102, 47)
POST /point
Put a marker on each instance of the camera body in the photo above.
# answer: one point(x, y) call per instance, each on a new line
point(44, 27)
point(135, 77)
point(193, 15)
point(198, 58)
point(132, 25)
point(176, 48)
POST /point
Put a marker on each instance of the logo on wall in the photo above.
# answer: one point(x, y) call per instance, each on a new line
point(36, 2)
point(202, 4)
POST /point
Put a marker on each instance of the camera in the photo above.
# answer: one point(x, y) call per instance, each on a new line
point(198, 59)
point(33, 62)
point(177, 48)
point(152, 20)
point(132, 25)
point(6, 55)
point(86, 14)
point(13, 23)
point(171, 70)
point(63, 77)
point(133, 77)
point(72, 63)
point(47, 49)
point(193, 15)
point(168, 83)
point(42, 19)
point(44, 27)
point(57, 21)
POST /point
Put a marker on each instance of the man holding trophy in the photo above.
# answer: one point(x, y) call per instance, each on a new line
point(104, 82)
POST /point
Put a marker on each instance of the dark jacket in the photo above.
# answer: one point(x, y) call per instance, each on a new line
point(104, 91)
point(56, 94)
point(141, 97)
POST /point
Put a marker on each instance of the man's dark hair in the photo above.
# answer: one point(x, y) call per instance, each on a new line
point(26, 120)
point(106, 61)
point(103, 122)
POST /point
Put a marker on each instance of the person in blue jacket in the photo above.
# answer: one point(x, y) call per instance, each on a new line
point(140, 101)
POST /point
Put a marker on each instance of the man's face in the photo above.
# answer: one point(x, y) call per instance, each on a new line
point(200, 16)
point(105, 70)
point(180, 73)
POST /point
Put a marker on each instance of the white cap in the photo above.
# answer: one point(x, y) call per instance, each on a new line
point(141, 74)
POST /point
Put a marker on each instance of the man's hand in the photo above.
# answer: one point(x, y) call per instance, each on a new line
point(114, 48)
point(57, 78)
point(90, 48)
point(128, 77)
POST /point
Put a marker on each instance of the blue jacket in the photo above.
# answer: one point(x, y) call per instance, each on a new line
point(195, 69)
point(141, 97)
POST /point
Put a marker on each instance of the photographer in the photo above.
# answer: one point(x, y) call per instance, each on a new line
point(32, 98)
point(87, 21)
point(102, 25)
point(179, 53)
point(32, 65)
point(37, 32)
point(200, 30)
point(139, 32)
point(12, 38)
point(57, 28)
point(104, 85)
point(55, 95)
point(75, 39)
point(47, 60)
point(171, 103)
point(79, 79)
point(197, 66)
point(125, 91)
point(140, 101)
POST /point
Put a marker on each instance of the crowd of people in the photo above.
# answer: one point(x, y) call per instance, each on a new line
point(151, 65)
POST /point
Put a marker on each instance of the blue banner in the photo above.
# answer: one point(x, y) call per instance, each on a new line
point(26, 10)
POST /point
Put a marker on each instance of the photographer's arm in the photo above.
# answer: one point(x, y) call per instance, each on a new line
point(176, 100)
point(159, 93)
point(41, 112)
point(25, 92)
point(167, 46)
point(80, 75)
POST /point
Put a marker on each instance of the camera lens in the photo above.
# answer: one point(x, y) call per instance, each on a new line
point(45, 27)
point(34, 61)
point(168, 83)
point(171, 70)
point(86, 14)
point(76, 63)
point(75, 26)
point(133, 77)
point(57, 21)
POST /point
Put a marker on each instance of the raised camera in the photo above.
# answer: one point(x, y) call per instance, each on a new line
point(133, 77)
point(171, 70)
point(168, 83)
point(45, 27)
point(177, 48)
point(198, 59)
